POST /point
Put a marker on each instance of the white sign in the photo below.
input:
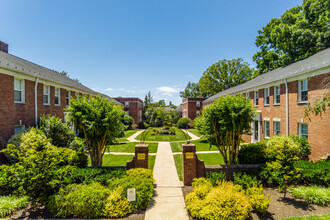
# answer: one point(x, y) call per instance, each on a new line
point(131, 195)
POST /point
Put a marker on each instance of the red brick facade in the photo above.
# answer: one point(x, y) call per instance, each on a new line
point(318, 127)
point(14, 114)
point(134, 108)
point(192, 107)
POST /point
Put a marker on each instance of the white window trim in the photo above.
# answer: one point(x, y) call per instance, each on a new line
point(266, 89)
point(198, 104)
point(22, 126)
point(299, 91)
point(254, 98)
point(277, 103)
point(267, 137)
point(126, 104)
point(300, 129)
point(247, 95)
point(274, 131)
point(59, 96)
point(46, 94)
point(67, 97)
point(22, 91)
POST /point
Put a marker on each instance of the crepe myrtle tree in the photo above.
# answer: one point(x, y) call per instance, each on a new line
point(226, 120)
point(99, 120)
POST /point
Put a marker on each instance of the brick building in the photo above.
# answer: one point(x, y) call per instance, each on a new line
point(192, 107)
point(280, 97)
point(28, 90)
point(133, 107)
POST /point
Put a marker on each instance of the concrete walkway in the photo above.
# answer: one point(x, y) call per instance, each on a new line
point(193, 137)
point(132, 138)
point(168, 203)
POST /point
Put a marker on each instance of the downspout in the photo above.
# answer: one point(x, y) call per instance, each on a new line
point(36, 101)
point(287, 106)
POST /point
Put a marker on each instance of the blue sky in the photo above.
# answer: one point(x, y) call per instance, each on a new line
point(126, 48)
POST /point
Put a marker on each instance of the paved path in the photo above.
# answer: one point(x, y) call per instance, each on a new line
point(193, 137)
point(168, 203)
point(132, 138)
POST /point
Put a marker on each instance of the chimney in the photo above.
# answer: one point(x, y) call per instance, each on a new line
point(3, 47)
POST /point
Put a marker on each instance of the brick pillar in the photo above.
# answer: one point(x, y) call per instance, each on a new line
point(141, 156)
point(189, 163)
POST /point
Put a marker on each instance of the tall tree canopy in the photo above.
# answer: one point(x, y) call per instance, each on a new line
point(300, 32)
point(191, 90)
point(224, 75)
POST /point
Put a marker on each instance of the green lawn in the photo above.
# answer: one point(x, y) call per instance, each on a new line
point(110, 160)
point(209, 159)
point(312, 217)
point(130, 147)
point(180, 136)
point(201, 145)
point(127, 133)
point(194, 131)
point(178, 164)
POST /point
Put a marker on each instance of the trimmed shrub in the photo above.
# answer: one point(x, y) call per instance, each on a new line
point(304, 147)
point(225, 201)
point(257, 199)
point(91, 175)
point(314, 173)
point(10, 204)
point(216, 177)
point(117, 205)
point(183, 123)
point(78, 200)
point(128, 121)
point(59, 132)
point(164, 132)
point(140, 172)
point(172, 131)
point(202, 187)
point(245, 180)
point(143, 187)
point(78, 145)
point(312, 194)
point(254, 153)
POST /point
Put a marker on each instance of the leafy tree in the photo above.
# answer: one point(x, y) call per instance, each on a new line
point(224, 75)
point(159, 116)
point(183, 122)
point(320, 106)
point(300, 32)
point(100, 122)
point(225, 121)
point(191, 90)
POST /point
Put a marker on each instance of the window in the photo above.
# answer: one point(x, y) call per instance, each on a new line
point(247, 95)
point(57, 96)
point(303, 130)
point(19, 90)
point(303, 91)
point(198, 113)
point(256, 98)
point(277, 127)
point(68, 96)
point(126, 104)
point(266, 96)
point(277, 95)
point(46, 95)
point(267, 129)
point(198, 104)
point(19, 128)
point(127, 113)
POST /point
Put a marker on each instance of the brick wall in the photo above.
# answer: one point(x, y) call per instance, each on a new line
point(189, 107)
point(134, 109)
point(318, 127)
point(12, 113)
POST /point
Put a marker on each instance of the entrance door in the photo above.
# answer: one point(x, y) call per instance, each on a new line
point(256, 130)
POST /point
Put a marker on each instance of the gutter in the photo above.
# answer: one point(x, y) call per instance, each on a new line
point(36, 101)
point(287, 106)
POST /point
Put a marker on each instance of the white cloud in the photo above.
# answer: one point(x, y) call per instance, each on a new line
point(166, 89)
point(108, 89)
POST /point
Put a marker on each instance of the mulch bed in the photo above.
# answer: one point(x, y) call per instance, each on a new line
point(40, 212)
point(281, 207)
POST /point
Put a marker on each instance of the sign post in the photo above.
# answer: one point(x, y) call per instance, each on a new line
point(131, 194)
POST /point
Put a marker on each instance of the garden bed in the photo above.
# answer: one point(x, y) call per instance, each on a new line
point(179, 136)
point(281, 207)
